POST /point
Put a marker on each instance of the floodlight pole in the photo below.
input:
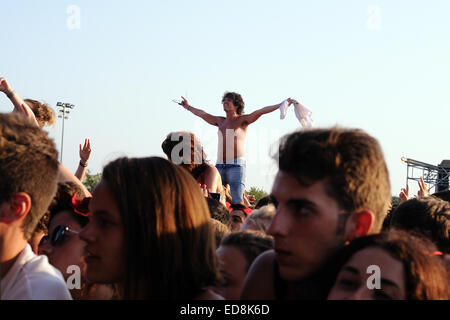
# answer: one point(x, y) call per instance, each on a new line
point(63, 114)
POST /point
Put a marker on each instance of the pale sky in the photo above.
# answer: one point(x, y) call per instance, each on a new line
point(381, 66)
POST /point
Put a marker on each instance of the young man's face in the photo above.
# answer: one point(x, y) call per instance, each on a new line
point(237, 218)
point(305, 226)
point(228, 104)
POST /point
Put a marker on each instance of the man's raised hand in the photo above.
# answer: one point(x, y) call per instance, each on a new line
point(184, 103)
point(291, 101)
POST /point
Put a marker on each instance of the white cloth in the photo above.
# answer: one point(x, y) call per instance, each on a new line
point(283, 109)
point(302, 113)
point(32, 277)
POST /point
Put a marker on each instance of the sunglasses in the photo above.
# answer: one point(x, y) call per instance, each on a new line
point(59, 235)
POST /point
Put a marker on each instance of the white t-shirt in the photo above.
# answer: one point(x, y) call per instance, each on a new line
point(32, 277)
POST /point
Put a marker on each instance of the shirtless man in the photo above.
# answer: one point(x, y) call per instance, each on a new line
point(231, 138)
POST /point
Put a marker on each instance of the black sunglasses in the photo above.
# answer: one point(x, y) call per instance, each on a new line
point(59, 234)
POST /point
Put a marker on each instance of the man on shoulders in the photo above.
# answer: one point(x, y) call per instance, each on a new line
point(231, 138)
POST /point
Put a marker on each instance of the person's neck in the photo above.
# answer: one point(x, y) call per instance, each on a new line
point(231, 115)
point(11, 245)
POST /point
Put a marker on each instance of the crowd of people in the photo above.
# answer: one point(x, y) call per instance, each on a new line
point(182, 228)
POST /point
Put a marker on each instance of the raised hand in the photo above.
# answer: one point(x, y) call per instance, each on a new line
point(4, 86)
point(423, 190)
point(85, 151)
point(184, 103)
point(251, 199)
point(227, 190)
point(291, 101)
point(404, 194)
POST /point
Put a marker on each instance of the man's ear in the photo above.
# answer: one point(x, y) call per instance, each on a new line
point(361, 222)
point(16, 208)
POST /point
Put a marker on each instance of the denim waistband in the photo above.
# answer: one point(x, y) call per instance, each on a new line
point(234, 161)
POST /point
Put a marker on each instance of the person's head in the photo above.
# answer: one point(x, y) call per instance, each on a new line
point(428, 216)
point(218, 211)
point(238, 214)
point(28, 173)
point(44, 114)
point(220, 230)
point(62, 246)
point(149, 231)
point(332, 186)
point(393, 265)
point(444, 195)
point(260, 219)
point(263, 202)
point(183, 148)
point(233, 101)
point(236, 253)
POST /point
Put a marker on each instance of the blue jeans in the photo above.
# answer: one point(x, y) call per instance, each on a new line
point(234, 175)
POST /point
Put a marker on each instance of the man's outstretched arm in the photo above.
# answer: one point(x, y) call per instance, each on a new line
point(252, 117)
point(213, 120)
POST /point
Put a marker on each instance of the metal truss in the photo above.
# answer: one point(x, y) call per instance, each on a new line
point(436, 177)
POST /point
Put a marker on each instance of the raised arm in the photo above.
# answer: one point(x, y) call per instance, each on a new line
point(213, 120)
point(85, 153)
point(20, 106)
point(252, 117)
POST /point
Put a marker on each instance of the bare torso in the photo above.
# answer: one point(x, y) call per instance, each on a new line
point(231, 138)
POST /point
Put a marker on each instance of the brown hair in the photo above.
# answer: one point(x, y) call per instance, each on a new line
point(349, 160)
point(251, 243)
point(43, 112)
point(195, 162)
point(426, 276)
point(237, 101)
point(220, 230)
point(63, 201)
point(28, 163)
point(170, 249)
point(428, 216)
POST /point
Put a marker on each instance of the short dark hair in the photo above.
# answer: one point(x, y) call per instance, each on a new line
point(264, 202)
point(237, 101)
point(28, 163)
point(428, 216)
point(218, 211)
point(444, 195)
point(350, 160)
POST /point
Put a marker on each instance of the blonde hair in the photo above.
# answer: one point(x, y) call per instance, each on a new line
point(44, 114)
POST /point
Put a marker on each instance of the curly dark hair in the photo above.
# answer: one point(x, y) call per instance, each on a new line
point(237, 101)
